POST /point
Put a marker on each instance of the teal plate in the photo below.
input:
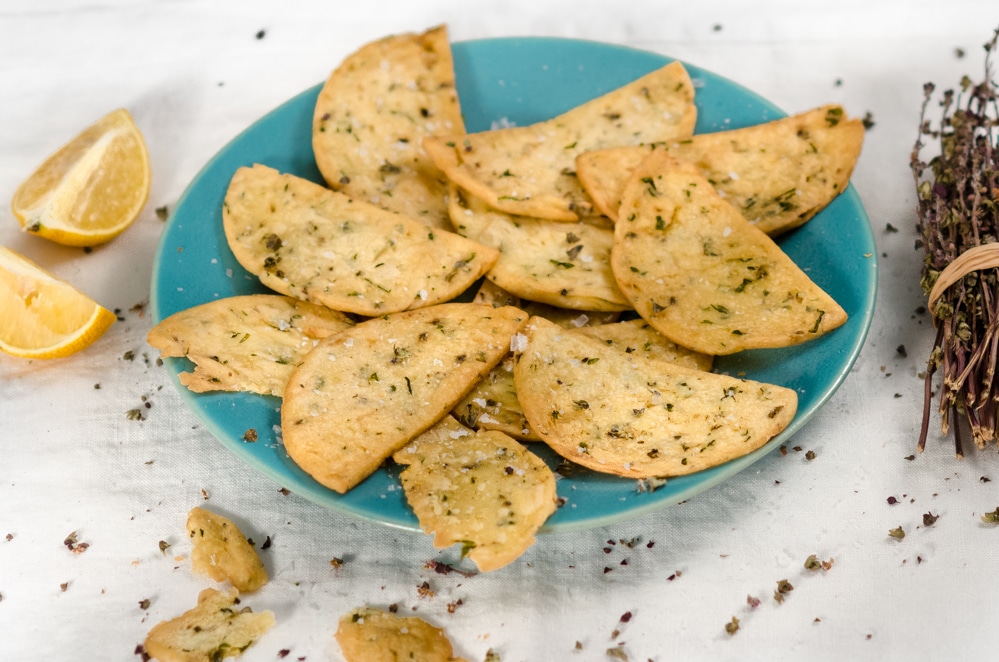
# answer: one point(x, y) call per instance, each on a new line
point(521, 81)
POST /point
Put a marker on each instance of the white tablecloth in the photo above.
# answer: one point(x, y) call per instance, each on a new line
point(194, 74)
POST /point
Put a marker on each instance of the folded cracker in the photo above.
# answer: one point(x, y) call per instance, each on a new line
point(639, 338)
point(222, 552)
point(480, 489)
point(636, 417)
point(361, 395)
point(778, 175)
point(493, 405)
point(217, 628)
point(493, 295)
point(245, 343)
point(372, 115)
point(311, 243)
point(705, 277)
point(530, 170)
point(372, 635)
point(561, 264)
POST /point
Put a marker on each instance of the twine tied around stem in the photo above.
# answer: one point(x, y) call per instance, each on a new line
point(984, 256)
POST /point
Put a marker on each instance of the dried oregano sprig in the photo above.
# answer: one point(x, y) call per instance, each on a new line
point(958, 208)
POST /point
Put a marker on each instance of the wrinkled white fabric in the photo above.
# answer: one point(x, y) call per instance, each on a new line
point(194, 74)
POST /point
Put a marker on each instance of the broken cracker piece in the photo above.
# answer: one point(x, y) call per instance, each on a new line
point(222, 552)
point(373, 635)
point(245, 343)
point(214, 630)
point(481, 489)
point(530, 170)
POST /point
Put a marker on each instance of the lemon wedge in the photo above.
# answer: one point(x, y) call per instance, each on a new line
point(93, 188)
point(41, 316)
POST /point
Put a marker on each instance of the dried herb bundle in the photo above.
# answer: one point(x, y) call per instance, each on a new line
point(958, 208)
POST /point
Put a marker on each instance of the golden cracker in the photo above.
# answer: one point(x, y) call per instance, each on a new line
point(217, 628)
point(373, 635)
point(636, 417)
point(530, 170)
point(311, 243)
point(482, 490)
point(222, 552)
point(638, 336)
point(245, 343)
point(493, 405)
point(361, 395)
point(778, 174)
point(566, 265)
point(372, 115)
point(705, 277)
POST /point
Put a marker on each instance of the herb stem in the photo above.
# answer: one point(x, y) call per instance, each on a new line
point(958, 209)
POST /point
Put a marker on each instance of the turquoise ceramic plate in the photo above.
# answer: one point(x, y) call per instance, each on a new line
point(521, 81)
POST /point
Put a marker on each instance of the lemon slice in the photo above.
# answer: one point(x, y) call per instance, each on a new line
point(41, 316)
point(92, 189)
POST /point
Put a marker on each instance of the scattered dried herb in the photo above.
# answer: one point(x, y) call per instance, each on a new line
point(445, 569)
point(897, 533)
point(732, 626)
point(72, 544)
point(929, 519)
point(992, 517)
point(144, 604)
point(618, 653)
point(424, 590)
point(250, 436)
point(752, 602)
point(164, 546)
point(812, 563)
point(957, 194)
